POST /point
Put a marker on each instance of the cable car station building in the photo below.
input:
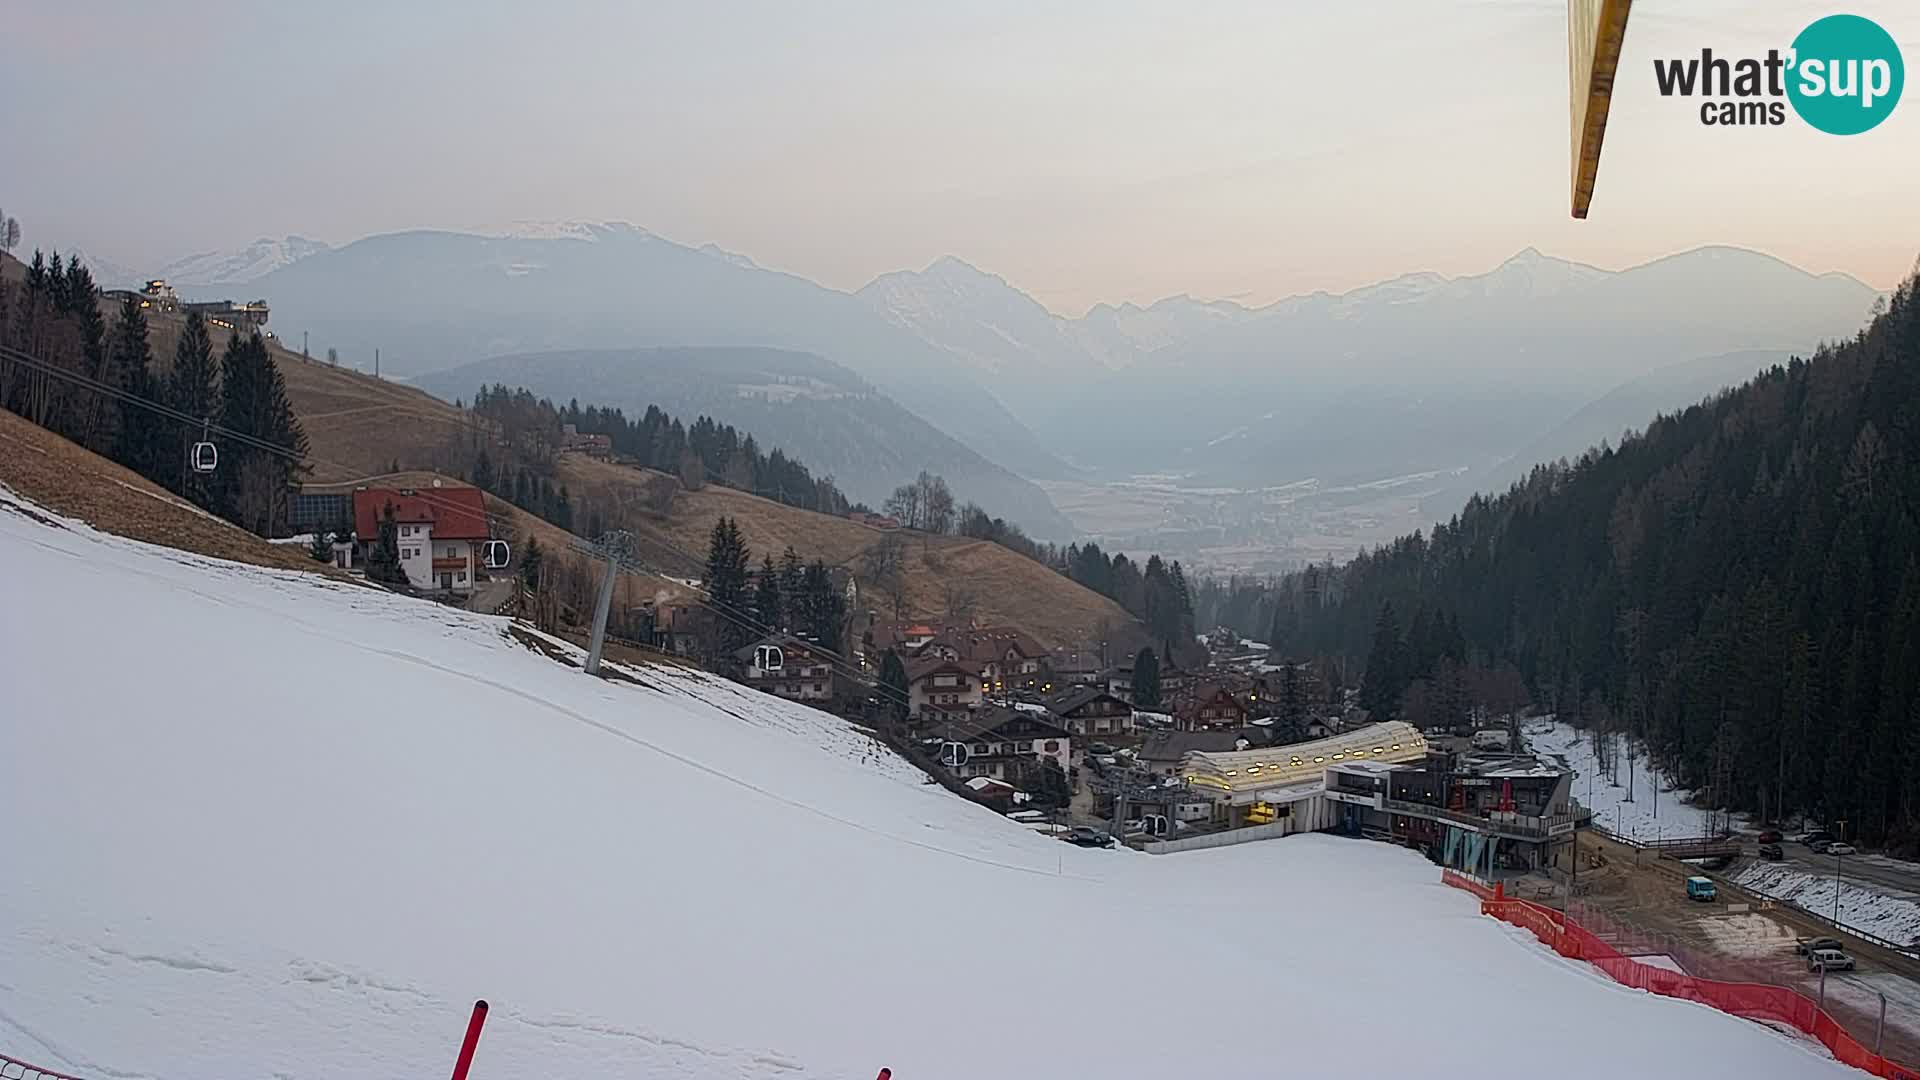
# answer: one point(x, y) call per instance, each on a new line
point(1469, 811)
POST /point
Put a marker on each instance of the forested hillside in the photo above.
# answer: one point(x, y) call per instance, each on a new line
point(1738, 586)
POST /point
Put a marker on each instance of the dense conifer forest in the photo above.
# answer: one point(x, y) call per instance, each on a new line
point(1738, 586)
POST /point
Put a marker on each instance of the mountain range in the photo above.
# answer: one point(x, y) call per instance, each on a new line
point(1419, 373)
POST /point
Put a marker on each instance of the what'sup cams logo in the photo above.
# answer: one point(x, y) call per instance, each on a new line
point(1843, 75)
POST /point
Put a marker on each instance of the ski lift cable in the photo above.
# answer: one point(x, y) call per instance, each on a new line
point(9, 354)
point(731, 614)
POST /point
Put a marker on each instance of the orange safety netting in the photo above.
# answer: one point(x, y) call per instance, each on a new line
point(1754, 1001)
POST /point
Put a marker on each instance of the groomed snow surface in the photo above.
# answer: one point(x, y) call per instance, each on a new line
point(265, 825)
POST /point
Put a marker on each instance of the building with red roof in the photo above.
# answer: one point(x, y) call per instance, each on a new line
point(439, 532)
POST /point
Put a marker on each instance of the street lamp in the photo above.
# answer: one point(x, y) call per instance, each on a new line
point(1836, 888)
point(1841, 825)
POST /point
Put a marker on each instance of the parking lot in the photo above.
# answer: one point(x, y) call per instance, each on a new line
point(1740, 938)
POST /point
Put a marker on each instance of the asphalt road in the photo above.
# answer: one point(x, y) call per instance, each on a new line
point(1878, 871)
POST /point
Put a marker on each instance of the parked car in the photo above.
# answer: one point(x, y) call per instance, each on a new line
point(1839, 849)
point(1099, 748)
point(1772, 852)
point(1805, 945)
point(1088, 836)
point(1699, 888)
point(1771, 836)
point(1819, 847)
point(1814, 837)
point(1829, 960)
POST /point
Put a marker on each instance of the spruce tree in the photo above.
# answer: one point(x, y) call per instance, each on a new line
point(824, 607)
point(383, 559)
point(893, 685)
point(251, 486)
point(483, 471)
point(1146, 679)
point(726, 583)
point(320, 548)
point(790, 573)
point(767, 607)
point(140, 442)
point(193, 387)
point(1386, 676)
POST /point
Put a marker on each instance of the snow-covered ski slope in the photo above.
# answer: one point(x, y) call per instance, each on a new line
point(261, 825)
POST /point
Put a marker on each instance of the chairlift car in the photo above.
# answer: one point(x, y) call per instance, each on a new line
point(495, 554)
point(206, 457)
point(769, 658)
point(953, 754)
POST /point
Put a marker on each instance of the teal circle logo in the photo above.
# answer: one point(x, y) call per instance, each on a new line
point(1847, 75)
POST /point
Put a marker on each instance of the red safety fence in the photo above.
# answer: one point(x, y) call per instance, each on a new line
point(15, 1069)
point(1753, 1001)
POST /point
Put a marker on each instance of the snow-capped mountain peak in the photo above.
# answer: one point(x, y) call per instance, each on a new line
point(533, 229)
point(239, 266)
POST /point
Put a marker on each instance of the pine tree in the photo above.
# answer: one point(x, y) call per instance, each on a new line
point(383, 559)
point(483, 471)
point(1146, 679)
point(791, 570)
point(320, 548)
point(1386, 677)
point(193, 387)
point(823, 606)
point(726, 583)
point(252, 484)
point(1293, 705)
point(767, 607)
point(893, 685)
point(139, 444)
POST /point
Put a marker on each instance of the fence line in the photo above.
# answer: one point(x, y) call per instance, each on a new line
point(1753, 1001)
point(15, 1069)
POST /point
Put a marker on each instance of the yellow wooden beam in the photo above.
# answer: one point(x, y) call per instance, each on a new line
point(1596, 30)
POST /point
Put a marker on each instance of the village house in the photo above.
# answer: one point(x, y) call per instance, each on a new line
point(787, 667)
point(1163, 751)
point(1002, 743)
point(439, 532)
point(1077, 668)
point(937, 685)
point(1118, 681)
point(1089, 710)
point(1009, 660)
point(1211, 707)
point(596, 446)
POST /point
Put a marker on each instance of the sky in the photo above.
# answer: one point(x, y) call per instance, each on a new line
point(1088, 152)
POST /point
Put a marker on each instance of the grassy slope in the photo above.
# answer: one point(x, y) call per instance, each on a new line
point(65, 477)
point(357, 425)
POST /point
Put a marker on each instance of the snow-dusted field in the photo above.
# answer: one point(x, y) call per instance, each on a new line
point(1645, 818)
point(1894, 918)
point(265, 825)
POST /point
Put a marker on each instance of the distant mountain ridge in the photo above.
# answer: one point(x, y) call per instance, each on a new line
point(813, 409)
point(430, 300)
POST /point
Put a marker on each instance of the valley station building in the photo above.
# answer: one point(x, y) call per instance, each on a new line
point(1471, 811)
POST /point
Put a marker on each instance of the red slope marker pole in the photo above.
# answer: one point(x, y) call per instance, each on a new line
point(472, 1040)
point(885, 1074)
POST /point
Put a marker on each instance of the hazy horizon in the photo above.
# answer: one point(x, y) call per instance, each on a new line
point(1088, 154)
